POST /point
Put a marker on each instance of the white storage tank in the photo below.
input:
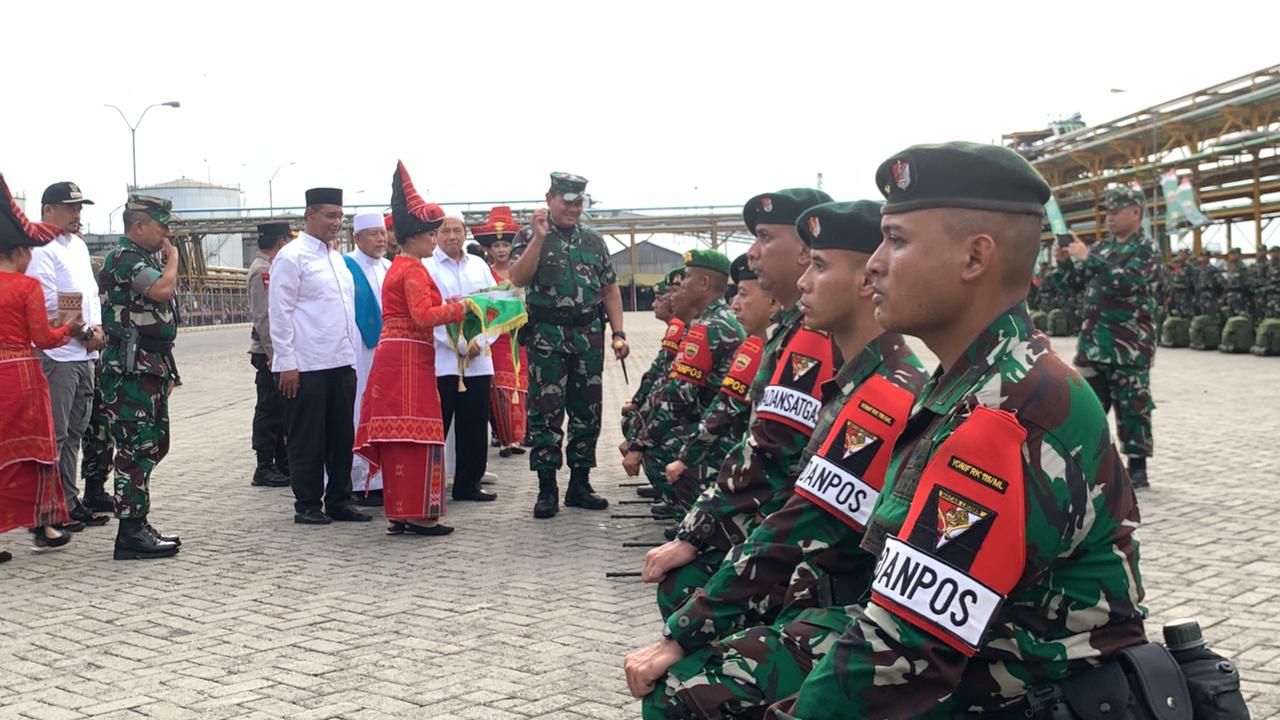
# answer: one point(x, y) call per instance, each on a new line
point(194, 199)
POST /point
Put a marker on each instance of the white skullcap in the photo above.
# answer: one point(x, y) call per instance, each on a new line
point(367, 221)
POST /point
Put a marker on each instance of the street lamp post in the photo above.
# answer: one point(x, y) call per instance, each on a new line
point(133, 131)
point(271, 197)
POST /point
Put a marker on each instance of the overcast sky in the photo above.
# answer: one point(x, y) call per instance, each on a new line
point(657, 103)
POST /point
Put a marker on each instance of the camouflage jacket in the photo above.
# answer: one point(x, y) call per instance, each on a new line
point(779, 562)
point(1057, 290)
point(725, 421)
point(1062, 586)
point(658, 371)
point(573, 270)
point(1208, 279)
point(1119, 322)
point(695, 377)
point(128, 271)
point(1181, 291)
point(1237, 290)
point(753, 480)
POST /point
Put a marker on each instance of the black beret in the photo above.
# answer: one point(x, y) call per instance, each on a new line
point(324, 196)
point(741, 270)
point(842, 226)
point(781, 207)
point(961, 175)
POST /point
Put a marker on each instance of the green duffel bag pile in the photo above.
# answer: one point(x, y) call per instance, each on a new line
point(1175, 333)
point(1205, 333)
point(1057, 323)
point(1267, 339)
point(1237, 336)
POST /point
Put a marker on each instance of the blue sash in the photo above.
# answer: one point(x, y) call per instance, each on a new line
point(368, 313)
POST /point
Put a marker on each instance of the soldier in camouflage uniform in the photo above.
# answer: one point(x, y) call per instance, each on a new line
point(1258, 283)
point(571, 288)
point(724, 424)
point(661, 364)
point(1208, 288)
point(774, 576)
point(1237, 286)
point(698, 370)
point(756, 475)
point(1180, 287)
point(96, 452)
point(1005, 529)
point(1271, 286)
point(1117, 344)
point(138, 371)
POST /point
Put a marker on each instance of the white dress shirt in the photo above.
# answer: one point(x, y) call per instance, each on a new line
point(312, 301)
point(63, 265)
point(454, 278)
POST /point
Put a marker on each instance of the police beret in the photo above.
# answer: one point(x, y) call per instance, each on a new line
point(961, 175)
point(1119, 196)
point(707, 260)
point(781, 207)
point(842, 226)
point(741, 270)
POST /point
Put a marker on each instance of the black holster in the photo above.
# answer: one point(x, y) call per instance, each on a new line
point(126, 339)
point(1142, 682)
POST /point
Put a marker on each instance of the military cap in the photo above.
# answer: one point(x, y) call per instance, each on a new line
point(964, 175)
point(841, 226)
point(571, 187)
point(1120, 196)
point(675, 274)
point(741, 270)
point(157, 208)
point(713, 260)
point(781, 207)
point(64, 193)
point(324, 196)
point(270, 230)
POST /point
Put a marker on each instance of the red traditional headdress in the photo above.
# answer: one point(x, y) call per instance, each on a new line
point(15, 229)
point(500, 226)
point(410, 214)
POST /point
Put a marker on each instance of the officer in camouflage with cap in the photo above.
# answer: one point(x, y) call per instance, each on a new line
point(802, 565)
point(138, 370)
point(1117, 344)
point(571, 288)
point(1004, 532)
point(697, 372)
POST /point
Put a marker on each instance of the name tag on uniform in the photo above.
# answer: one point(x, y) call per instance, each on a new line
point(837, 490)
point(934, 591)
point(794, 405)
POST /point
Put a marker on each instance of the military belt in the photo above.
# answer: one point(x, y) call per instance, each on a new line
point(566, 317)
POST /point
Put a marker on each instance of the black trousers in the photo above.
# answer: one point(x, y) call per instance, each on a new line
point(320, 438)
point(268, 413)
point(470, 410)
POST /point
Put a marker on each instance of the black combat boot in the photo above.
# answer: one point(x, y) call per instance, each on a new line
point(134, 542)
point(548, 502)
point(266, 474)
point(96, 497)
point(162, 538)
point(1138, 472)
point(580, 493)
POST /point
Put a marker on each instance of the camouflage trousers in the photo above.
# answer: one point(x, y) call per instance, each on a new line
point(741, 675)
point(96, 452)
point(1128, 389)
point(561, 383)
point(655, 463)
point(137, 408)
point(681, 582)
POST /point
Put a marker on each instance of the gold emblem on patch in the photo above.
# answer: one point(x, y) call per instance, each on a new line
point(855, 438)
point(956, 515)
point(801, 364)
point(688, 257)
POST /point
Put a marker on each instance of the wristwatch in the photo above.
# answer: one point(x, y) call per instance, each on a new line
point(686, 535)
point(619, 334)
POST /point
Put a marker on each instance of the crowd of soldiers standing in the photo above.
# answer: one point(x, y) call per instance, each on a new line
point(1188, 287)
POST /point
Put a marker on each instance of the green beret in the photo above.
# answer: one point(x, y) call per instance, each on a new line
point(781, 207)
point(570, 186)
point(741, 270)
point(1120, 196)
point(842, 226)
point(674, 275)
point(158, 208)
point(660, 287)
point(707, 260)
point(961, 175)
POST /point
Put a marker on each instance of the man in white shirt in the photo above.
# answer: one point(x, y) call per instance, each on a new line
point(314, 336)
point(368, 265)
point(63, 267)
point(458, 273)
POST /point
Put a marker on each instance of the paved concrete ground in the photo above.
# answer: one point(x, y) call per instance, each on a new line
point(512, 617)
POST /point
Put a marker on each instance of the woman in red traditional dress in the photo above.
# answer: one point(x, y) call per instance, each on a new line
point(509, 394)
point(30, 490)
point(401, 431)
